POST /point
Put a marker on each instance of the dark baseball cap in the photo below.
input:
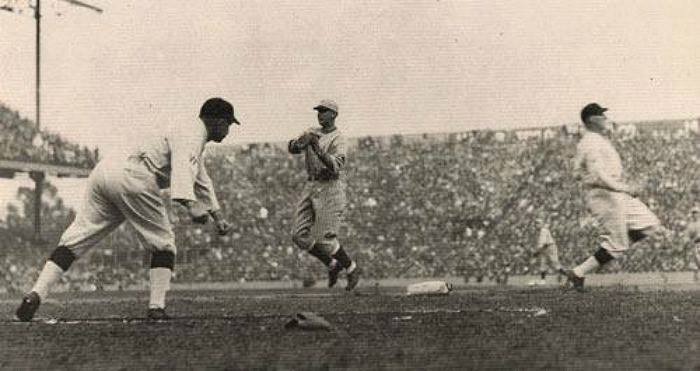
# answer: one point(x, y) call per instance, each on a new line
point(592, 109)
point(218, 108)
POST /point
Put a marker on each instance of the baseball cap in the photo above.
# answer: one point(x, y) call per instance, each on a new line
point(218, 108)
point(592, 109)
point(327, 104)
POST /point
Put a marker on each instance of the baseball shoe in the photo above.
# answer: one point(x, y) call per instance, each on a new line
point(333, 273)
point(157, 314)
point(26, 310)
point(576, 281)
point(353, 279)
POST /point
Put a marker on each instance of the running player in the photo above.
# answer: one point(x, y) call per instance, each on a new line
point(624, 219)
point(319, 213)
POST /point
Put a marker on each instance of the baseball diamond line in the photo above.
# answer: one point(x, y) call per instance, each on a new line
point(398, 316)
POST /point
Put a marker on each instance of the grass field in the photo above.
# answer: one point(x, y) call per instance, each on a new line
point(472, 328)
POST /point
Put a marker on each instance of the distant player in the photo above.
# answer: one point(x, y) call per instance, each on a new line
point(693, 233)
point(319, 214)
point(129, 190)
point(546, 252)
point(623, 218)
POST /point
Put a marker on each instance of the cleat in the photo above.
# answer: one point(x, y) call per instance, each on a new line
point(333, 273)
point(158, 314)
point(353, 279)
point(26, 310)
point(576, 281)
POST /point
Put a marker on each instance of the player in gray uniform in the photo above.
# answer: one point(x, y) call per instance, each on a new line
point(319, 214)
point(546, 251)
point(692, 232)
point(129, 190)
point(624, 219)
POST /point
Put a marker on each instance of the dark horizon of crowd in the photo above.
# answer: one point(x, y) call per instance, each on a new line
point(460, 204)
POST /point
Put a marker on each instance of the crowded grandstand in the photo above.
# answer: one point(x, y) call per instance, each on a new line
point(456, 204)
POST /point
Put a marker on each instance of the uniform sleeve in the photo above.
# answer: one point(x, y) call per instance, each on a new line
point(184, 161)
point(204, 189)
point(337, 154)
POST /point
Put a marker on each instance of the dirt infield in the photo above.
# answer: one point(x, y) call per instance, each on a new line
point(378, 328)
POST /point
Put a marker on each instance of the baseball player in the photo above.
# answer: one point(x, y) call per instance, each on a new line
point(693, 233)
point(624, 219)
point(546, 252)
point(129, 190)
point(319, 213)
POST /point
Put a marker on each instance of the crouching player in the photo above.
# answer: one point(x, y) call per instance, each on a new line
point(129, 190)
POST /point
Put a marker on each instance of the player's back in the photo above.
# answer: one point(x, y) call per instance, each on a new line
point(595, 155)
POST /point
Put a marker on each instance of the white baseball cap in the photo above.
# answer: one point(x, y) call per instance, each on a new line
point(327, 104)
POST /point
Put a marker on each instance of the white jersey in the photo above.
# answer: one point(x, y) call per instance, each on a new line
point(176, 158)
point(545, 238)
point(599, 162)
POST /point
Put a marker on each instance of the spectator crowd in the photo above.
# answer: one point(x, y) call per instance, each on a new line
point(460, 204)
point(21, 141)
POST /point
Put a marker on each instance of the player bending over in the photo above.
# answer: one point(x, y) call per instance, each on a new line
point(624, 219)
point(129, 190)
point(319, 214)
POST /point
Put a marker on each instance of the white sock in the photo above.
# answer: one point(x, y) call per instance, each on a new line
point(49, 275)
point(588, 265)
point(160, 284)
point(352, 267)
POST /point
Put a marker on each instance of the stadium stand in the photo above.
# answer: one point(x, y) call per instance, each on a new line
point(419, 206)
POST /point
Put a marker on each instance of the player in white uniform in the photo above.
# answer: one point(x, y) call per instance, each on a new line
point(129, 190)
point(624, 219)
point(546, 251)
point(692, 232)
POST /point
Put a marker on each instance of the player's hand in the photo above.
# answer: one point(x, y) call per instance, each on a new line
point(223, 227)
point(304, 140)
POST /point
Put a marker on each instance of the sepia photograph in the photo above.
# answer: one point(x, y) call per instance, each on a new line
point(350, 185)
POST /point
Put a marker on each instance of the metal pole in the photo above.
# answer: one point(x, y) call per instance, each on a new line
point(38, 178)
point(37, 15)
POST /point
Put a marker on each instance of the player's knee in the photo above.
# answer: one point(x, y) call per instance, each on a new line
point(330, 240)
point(163, 259)
point(636, 235)
point(603, 256)
point(63, 257)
